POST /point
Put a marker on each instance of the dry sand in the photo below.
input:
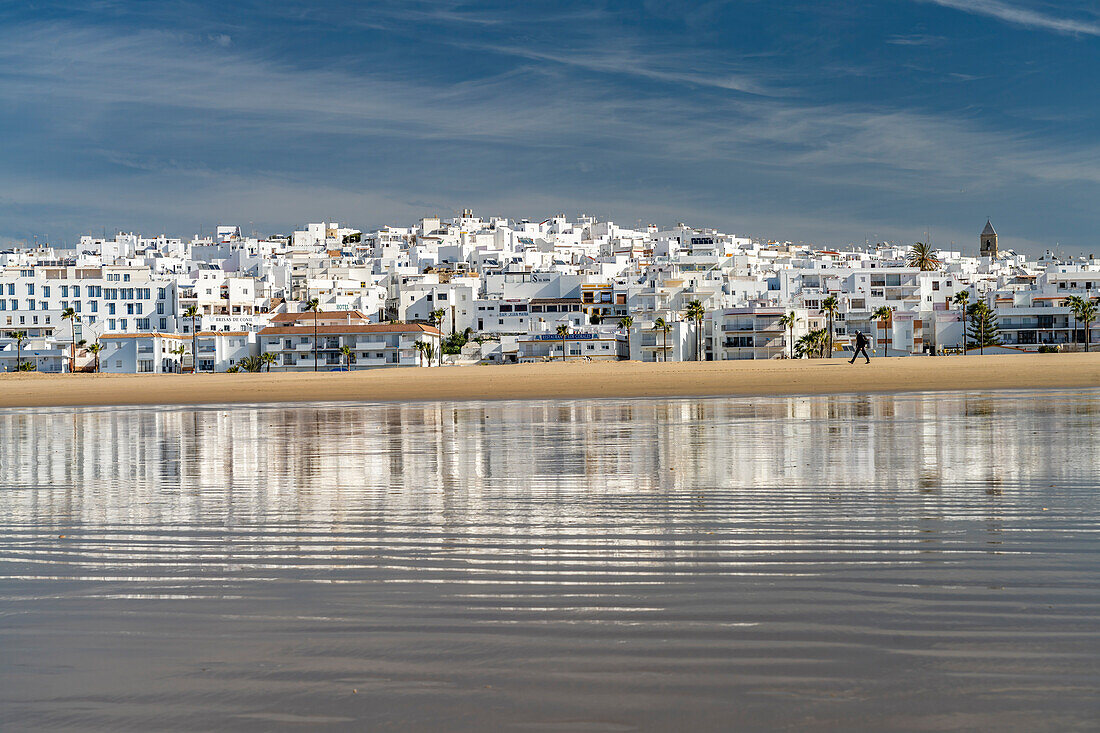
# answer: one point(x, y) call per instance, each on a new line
point(559, 380)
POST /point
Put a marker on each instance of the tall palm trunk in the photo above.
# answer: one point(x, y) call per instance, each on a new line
point(314, 340)
point(194, 347)
point(962, 311)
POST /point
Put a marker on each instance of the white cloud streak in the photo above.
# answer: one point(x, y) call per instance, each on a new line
point(1023, 17)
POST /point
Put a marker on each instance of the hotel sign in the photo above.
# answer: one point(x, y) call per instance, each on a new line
point(570, 337)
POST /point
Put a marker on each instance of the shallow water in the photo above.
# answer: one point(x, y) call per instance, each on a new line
point(920, 562)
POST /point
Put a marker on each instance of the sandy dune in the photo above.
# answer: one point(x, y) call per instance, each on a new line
point(562, 380)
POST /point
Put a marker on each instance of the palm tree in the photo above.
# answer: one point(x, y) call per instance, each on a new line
point(563, 331)
point(813, 342)
point(422, 347)
point(179, 351)
point(696, 312)
point(923, 256)
point(1087, 316)
point(20, 339)
point(664, 327)
point(435, 318)
point(961, 299)
point(788, 321)
point(346, 351)
point(192, 312)
point(268, 359)
point(251, 364)
point(883, 314)
point(1074, 302)
point(625, 323)
point(313, 305)
point(95, 349)
point(70, 315)
point(830, 307)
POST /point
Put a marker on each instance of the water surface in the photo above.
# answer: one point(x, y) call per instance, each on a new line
point(921, 562)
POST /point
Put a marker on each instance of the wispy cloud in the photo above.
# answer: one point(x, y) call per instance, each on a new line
point(608, 59)
point(915, 39)
point(1024, 17)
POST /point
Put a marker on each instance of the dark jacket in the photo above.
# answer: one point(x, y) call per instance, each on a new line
point(861, 341)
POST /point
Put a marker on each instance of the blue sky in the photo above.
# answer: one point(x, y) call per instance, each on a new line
point(827, 122)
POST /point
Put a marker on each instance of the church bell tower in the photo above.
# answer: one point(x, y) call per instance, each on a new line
point(989, 241)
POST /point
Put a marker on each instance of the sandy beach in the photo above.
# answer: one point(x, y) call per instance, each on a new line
point(558, 380)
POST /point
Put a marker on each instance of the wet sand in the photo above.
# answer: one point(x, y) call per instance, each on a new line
point(558, 380)
point(920, 562)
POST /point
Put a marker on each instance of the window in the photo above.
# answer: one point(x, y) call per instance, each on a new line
point(45, 291)
point(112, 277)
point(76, 306)
point(163, 323)
point(76, 291)
point(145, 365)
point(111, 326)
point(110, 309)
point(95, 306)
point(30, 288)
point(122, 323)
point(160, 308)
point(143, 324)
point(125, 278)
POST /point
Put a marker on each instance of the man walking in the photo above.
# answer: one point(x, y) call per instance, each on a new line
point(861, 347)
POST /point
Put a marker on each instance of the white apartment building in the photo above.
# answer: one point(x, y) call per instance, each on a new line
point(142, 353)
point(295, 339)
point(107, 299)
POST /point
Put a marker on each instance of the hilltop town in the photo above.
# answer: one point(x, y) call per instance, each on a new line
point(470, 290)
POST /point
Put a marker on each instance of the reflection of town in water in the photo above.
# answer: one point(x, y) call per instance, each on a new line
point(339, 463)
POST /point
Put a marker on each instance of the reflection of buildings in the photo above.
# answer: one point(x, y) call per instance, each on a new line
point(525, 462)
